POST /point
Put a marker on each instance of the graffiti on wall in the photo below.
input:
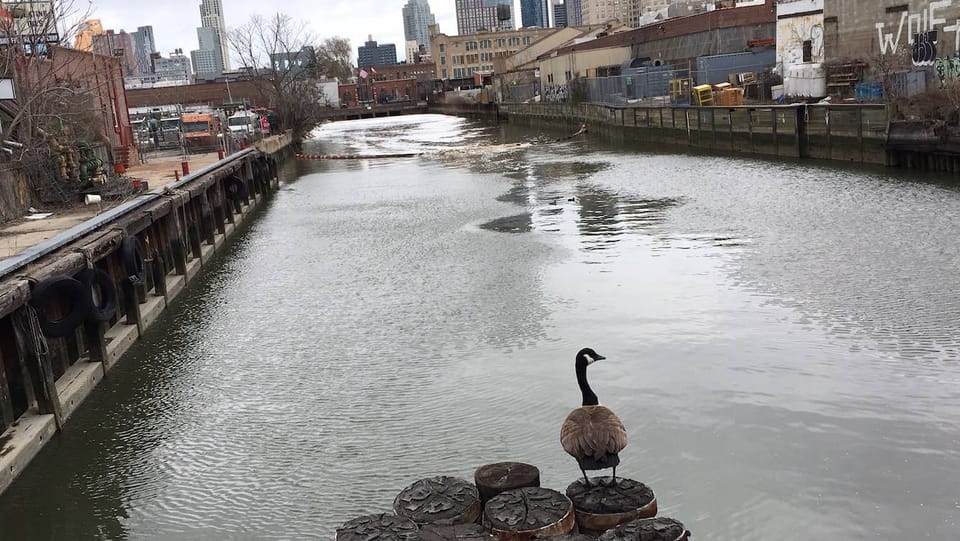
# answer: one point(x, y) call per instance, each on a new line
point(925, 32)
point(801, 41)
point(946, 69)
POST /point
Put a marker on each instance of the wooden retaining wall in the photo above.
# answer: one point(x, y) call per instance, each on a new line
point(43, 380)
point(855, 133)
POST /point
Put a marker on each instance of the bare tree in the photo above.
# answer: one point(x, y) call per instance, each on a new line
point(333, 58)
point(58, 113)
point(279, 53)
point(47, 102)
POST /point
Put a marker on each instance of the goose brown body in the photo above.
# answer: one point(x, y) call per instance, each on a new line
point(593, 432)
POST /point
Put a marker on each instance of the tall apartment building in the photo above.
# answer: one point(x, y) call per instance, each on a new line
point(207, 60)
point(174, 68)
point(559, 14)
point(118, 44)
point(370, 54)
point(417, 19)
point(647, 6)
point(143, 46)
point(211, 16)
point(535, 13)
point(491, 15)
point(574, 12)
point(601, 11)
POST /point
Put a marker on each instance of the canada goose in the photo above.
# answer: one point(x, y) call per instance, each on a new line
point(592, 433)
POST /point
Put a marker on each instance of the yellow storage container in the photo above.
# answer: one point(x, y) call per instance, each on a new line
point(703, 95)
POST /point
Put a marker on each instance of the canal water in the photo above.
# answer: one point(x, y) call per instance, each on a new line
point(782, 343)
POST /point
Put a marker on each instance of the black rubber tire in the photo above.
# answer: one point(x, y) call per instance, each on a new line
point(235, 188)
point(106, 308)
point(64, 289)
point(133, 265)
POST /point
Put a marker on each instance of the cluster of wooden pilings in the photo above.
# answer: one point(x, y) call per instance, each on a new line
point(69, 308)
point(507, 503)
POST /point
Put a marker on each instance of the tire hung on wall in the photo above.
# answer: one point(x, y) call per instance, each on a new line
point(102, 291)
point(133, 265)
point(68, 293)
point(235, 188)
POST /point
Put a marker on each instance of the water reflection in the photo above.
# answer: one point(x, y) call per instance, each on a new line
point(781, 343)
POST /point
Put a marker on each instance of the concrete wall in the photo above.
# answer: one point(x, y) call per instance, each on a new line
point(680, 50)
point(903, 32)
point(835, 132)
point(554, 71)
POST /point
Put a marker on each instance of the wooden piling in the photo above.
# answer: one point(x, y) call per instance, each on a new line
point(460, 532)
point(524, 513)
point(492, 479)
point(603, 505)
point(381, 527)
point(439, 500)
point(648, 529)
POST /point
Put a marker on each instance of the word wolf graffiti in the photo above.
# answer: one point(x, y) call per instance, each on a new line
point(923, 31)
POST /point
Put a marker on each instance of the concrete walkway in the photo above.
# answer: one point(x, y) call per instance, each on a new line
point(157, 172)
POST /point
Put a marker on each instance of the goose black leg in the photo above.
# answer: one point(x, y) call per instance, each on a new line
point(614, 482)
point(585, 479)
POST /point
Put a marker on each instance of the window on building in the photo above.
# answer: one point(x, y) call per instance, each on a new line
point(443, 73)
point(443, 61)
point(501, 42)
point(567, 74)
point(443, 48)
point(526, 40)
point(808, 51)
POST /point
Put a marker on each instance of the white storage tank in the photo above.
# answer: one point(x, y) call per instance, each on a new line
point(806, 81)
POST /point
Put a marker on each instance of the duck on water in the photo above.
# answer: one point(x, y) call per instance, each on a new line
point(592, 434)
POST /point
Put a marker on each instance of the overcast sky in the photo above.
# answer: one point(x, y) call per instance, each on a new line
point(175, 22)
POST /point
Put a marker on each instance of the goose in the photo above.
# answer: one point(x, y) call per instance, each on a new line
point(592, 434)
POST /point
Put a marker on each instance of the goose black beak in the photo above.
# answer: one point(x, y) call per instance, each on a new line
point(599, 358)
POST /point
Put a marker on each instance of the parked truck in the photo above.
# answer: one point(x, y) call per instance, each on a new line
point(199, 130)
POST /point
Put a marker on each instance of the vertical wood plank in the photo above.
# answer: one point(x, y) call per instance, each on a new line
point(41, 376)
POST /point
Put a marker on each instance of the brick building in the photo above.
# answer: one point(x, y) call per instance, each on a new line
point(422, 73)
point(214, 94)
point(102, 77)
point(378, 92)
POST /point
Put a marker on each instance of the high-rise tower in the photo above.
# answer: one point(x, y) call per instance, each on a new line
point(143, 46)
point(211, 16)
point(476, 15)
point(559, 14)
point(416, 22)
point(535, 13)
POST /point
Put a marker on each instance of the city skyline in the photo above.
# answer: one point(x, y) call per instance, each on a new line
point(175, 27)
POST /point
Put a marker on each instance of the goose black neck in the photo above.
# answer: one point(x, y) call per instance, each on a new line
point(589, 398)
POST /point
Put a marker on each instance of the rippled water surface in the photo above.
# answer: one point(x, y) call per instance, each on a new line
point(782, 344)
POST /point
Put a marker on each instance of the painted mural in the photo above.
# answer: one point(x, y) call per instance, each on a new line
point(928, 32)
